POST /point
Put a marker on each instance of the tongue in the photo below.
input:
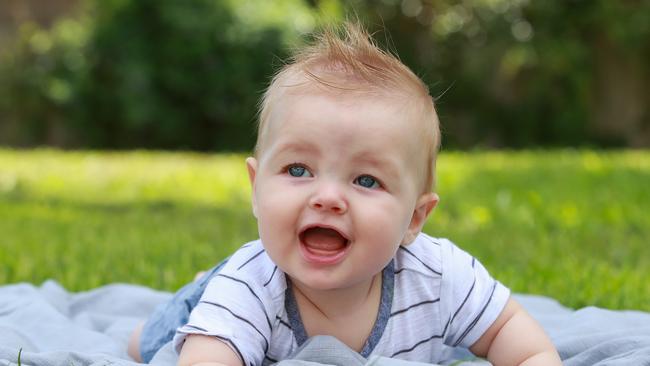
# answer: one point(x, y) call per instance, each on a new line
point(322, 239)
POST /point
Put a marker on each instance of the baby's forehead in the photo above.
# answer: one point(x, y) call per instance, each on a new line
point(346, 94)
point(302, 105)
point(293, 87)
point(304, 93)
point(296, 108)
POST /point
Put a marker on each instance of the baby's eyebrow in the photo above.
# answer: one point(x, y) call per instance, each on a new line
point(387, 165)
point(294, 147)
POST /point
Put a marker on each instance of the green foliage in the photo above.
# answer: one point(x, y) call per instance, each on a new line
point(568, 224)
point(139, 74)
point(188, 74)
point(39, 81)
point(520, 73)
point(179, 75)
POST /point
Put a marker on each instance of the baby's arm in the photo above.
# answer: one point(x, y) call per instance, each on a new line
point(200, 350)
point(515, 338)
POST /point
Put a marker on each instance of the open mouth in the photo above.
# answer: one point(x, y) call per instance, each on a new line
point(323, 244)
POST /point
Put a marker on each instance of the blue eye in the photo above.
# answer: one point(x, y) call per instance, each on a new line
point(367, 181)
point(298, 171)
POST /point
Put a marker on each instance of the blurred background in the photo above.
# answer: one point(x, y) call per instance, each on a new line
point(124, 125)
point(186, 75)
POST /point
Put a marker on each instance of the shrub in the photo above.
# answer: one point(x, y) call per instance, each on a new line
point(138, 74)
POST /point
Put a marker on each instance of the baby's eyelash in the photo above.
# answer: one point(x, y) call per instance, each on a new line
point(288, 166)
point(297, 170)
point(368, 181)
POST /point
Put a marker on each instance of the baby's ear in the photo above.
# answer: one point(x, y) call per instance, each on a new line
point(251, 166)
point(423, 208)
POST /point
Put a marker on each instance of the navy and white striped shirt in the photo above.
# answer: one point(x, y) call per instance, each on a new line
point(434, 296)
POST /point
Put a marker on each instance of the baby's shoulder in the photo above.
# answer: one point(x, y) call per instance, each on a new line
point(424, 256)
point(251, 265)
point(433, 257)
point(246, 255)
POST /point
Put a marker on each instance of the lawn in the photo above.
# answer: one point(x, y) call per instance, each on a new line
point(573, 225)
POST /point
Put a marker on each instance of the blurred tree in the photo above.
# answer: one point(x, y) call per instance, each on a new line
point(15, 12)
point(516, 73)
point(187, 74)
point(38, 83)
point(174, 75)
point(619, 39)
point(138, 74)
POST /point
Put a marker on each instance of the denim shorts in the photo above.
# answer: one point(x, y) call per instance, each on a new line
point(167, 317)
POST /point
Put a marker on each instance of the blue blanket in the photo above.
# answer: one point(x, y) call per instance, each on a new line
point(55, 327)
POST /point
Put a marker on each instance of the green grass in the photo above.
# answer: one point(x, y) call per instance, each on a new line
point(568, 224)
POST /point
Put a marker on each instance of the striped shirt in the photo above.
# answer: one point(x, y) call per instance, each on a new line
point(434, 296)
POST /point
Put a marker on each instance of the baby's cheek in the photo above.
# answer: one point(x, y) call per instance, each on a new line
point(386, 228)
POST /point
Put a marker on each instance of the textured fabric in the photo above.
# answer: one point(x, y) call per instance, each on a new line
point(329, 351)
point(50, 326)
point(56, 327)
point(441, 296)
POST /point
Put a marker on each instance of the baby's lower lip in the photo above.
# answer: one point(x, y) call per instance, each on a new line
point(322, 257)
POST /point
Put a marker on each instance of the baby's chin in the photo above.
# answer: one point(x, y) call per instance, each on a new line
point(318, 286)
point(330, 282)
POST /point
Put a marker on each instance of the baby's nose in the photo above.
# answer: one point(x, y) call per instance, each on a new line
point(329, 197)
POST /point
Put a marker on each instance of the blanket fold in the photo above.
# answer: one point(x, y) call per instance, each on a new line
point(55, 327)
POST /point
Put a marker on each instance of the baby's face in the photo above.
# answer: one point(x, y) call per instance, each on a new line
point(335, 186)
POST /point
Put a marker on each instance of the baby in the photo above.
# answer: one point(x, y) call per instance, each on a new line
point(342, 183)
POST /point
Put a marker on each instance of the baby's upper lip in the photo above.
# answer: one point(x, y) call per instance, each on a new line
point(325, 226)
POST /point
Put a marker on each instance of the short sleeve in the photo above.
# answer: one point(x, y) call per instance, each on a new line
point(471, 299)
point(232, 310)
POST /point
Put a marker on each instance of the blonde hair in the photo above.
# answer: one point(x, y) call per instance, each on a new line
point(349, 61)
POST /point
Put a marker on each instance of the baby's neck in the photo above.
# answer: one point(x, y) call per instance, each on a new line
point(347, 314)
